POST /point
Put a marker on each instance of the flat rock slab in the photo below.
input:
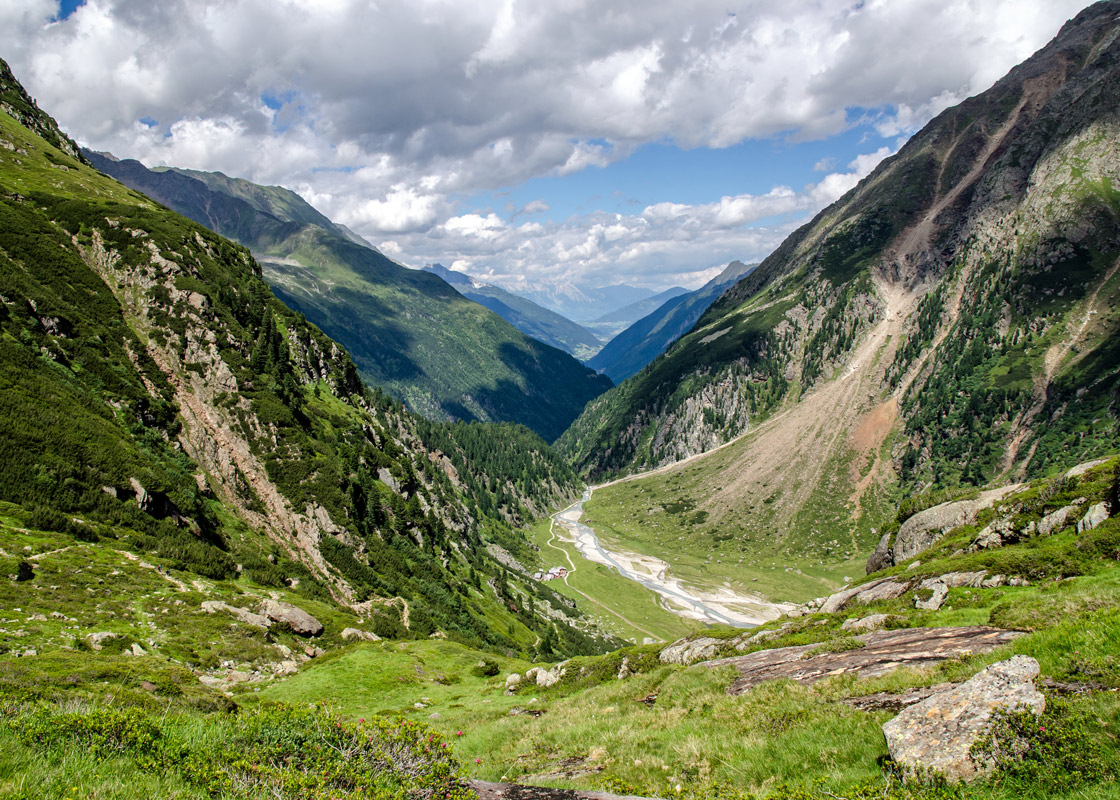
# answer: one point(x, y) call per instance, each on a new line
point(882, 652)
point(514, 791)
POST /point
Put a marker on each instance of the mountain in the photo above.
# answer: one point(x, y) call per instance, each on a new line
point(408, 331)
point(641, 308)
point(157, 401)
point(581, 305)
point(525, 315)
point(950, 320)
point(648, 338)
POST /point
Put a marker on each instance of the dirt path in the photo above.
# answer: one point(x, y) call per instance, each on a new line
point(178, 584)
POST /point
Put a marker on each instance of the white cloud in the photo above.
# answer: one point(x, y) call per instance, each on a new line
point(390, 111)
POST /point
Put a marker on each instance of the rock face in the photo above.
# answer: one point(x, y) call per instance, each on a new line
point(938, 732)
point(1054, 522)
point(300, 621)
point(687, 651)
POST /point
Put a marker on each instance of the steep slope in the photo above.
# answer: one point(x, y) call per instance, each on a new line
point(408, 331)
point(525, 315)
point(952, 318)
point(649, 337)
point(156, 397)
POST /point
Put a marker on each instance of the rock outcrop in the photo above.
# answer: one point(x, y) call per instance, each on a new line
point(922, 530)
point(1093, 517)
point(688, 651)
point(938, 733)
point(301, 623)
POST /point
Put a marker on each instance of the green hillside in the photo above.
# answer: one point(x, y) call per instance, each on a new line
point(409, 333)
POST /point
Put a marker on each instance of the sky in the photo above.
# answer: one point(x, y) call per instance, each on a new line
point(527, 142)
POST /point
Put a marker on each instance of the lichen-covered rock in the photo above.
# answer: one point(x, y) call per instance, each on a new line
point(1054, 522)
point(1093, 517)
point(939, 592)
point(887, 590)
point(302, 623)
point(242, 614)
point(872, 622)
point(686, 651)
point(355, 635)
point(938, 733)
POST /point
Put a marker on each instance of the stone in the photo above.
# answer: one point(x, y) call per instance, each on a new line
point(869, 623)
point(988, 539)
point(993, 582)
point(302, 623)
point(1093, 517)
point(887, 590)
point(97, 640)
point(512, 680)
point(686, 651)
point(137, 650)
point(939, 592)
point(353, 635)
point(1081, 469)
point(624, 668)
point(837, 601)
point(938, 732)
point(1017, 581)
point(922, 530)
point(955, 580)
point(1054, 522)
point(242, 614)
point(883, 557)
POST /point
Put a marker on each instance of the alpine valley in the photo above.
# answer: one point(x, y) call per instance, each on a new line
point(280, 517)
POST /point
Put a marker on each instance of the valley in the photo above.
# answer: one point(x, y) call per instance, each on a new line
point(280, 517)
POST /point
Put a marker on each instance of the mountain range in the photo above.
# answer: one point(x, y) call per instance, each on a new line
point(408, 331)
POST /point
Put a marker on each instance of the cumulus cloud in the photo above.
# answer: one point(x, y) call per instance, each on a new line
point(383, 114)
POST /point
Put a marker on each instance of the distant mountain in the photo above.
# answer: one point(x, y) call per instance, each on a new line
point(525, 315)
point(649, 337)
point(635, 311)
point(408, 331)
point(577, 304)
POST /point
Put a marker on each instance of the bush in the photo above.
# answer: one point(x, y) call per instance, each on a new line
point(484, 669)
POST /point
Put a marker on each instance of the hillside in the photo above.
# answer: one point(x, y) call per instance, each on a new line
point(160, 403)
point(525, 315)
point(651, 335)
point(934, 326)
point(408, 332)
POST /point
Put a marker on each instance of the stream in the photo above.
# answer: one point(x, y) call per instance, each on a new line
point(723, 606)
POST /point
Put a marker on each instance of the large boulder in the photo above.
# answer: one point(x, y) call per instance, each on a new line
point(1093, 517)
point(921, 531)
point(883, 556)
point(686, 651)
point(938, 733)
point(1054, 522)
point(299, 620)
point(356, 635)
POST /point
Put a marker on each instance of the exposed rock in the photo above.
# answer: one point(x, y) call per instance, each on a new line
point(938, 732)
point(922, 530)
point(686, 651)
point(547, 677)
point(869, 623)
point(837, 601)
point(512, 680)
point(994, 581)
point(300, 621)
point(624, 668)
point(242, 614)
point(353, 634)
point(889, 701)
point(1055, 521)
point(1081, 469)
point(887, 590)
point(882, 652)
point(1093, 517)
point(955, 580)
point(882, 557)
point(987, 539)
point(939, 592)
point(137, 650)
point(97, 640)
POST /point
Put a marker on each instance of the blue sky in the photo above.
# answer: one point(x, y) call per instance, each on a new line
point(587, 142)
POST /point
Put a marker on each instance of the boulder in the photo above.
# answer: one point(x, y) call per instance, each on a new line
point(837, 601)
point(922, 530)
point(955, 580)
point(300, 621)
point(686, 651)
point(1093, 517)
point(994, 581)
point(547, 677)
point(1054, 522)
point(887, 590)
point(242, 614)
point(97, 640)
point(1081, 469)
point(883, 556)
point(355, 635)
point(512, 680)
point(869, 623)
point(938, 733)
point(939, 592)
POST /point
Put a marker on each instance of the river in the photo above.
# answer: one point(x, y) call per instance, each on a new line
point(722, 606)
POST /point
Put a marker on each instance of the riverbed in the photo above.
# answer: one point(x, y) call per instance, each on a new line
point(722, 606)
